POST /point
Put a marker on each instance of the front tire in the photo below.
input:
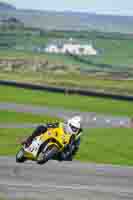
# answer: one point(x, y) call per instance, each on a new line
point(20, 156)
point(50, 152)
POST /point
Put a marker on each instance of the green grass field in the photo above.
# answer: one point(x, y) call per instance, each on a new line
point(116, 51)
point(107, 145)
point(13, 117)
point(74, 102)
point(112, 146)
point(9, 140)
point(72, 80)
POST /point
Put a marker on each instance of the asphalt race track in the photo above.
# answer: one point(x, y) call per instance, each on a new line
point(64, 181)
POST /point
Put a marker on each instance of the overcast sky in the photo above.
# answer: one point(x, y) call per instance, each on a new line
point(119, 7)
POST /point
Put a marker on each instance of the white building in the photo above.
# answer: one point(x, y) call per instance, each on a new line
point(88, 50)
point(72, 48)
point(52, 49)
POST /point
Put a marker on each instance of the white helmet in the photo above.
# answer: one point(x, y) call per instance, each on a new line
point(73, 125)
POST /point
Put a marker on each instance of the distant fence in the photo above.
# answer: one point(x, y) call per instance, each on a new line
point(66, 90)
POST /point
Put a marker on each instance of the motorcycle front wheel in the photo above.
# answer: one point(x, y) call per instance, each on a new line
point(48, 154)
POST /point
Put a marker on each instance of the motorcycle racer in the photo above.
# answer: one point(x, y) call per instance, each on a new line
point(72, 126)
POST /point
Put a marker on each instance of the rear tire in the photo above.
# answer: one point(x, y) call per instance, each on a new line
point(50, 152)
point(20, 156)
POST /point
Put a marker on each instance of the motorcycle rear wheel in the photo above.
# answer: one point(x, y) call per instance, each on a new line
point(20, 156)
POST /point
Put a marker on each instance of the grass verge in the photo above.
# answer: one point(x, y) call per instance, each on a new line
point(13, 117)
point(104, 83)
point(74, 102)
point(109, 146)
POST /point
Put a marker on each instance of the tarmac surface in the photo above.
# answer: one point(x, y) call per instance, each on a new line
point(64, 181)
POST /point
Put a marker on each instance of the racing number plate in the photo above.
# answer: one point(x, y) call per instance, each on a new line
point(34, 147)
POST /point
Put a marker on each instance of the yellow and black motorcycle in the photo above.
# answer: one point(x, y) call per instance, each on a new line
point(44, 147)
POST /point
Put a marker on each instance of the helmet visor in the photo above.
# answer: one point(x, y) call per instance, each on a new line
point(74, 129)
